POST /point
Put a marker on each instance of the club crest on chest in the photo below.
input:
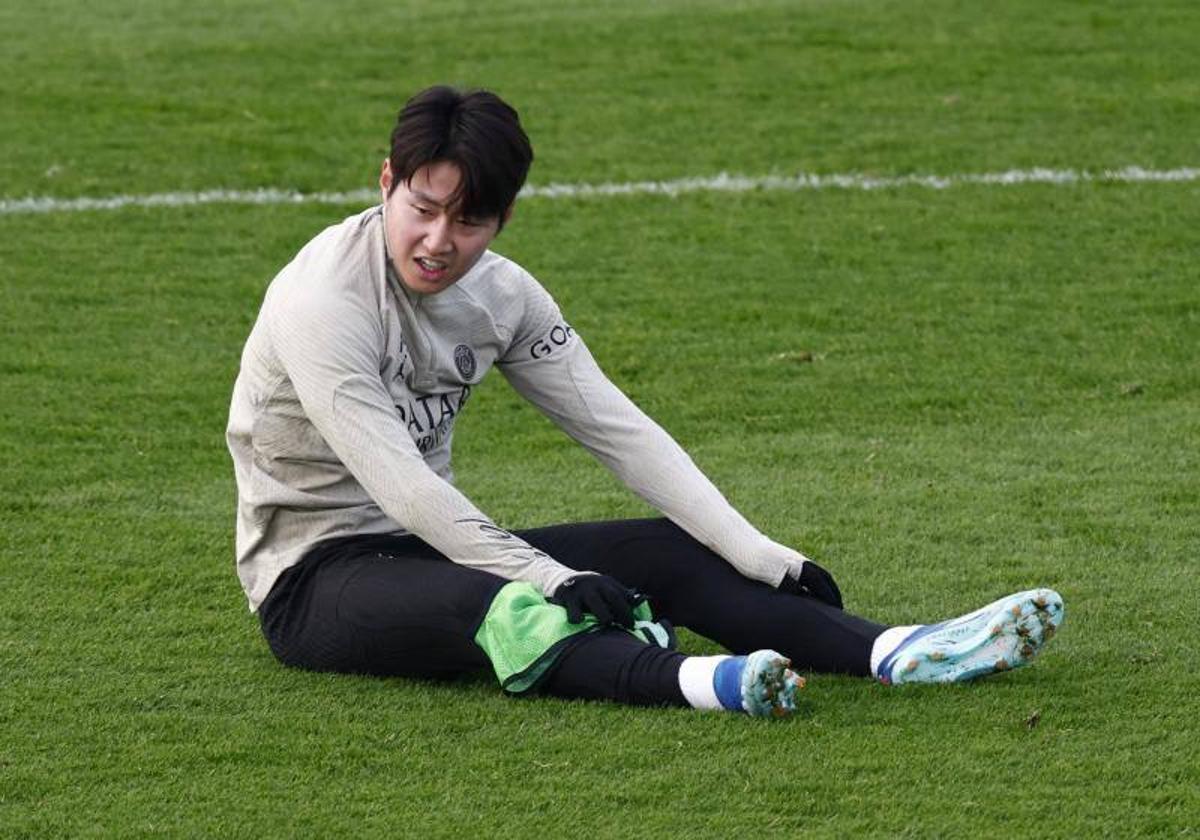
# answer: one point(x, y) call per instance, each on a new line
point(464, 360)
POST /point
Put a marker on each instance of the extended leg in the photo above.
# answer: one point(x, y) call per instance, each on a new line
point(691, 586)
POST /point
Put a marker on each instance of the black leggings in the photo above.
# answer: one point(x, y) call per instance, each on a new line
point(394, 606)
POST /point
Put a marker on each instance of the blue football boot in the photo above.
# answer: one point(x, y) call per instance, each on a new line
point(1003, 635)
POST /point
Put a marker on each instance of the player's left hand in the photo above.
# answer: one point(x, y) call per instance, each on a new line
point(814, 582)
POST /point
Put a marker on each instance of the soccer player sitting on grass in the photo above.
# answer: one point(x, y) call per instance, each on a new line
point(359, 555)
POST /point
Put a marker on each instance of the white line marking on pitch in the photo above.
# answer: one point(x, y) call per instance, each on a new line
point(717, 183)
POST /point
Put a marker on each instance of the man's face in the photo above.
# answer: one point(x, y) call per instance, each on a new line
point(431, 244)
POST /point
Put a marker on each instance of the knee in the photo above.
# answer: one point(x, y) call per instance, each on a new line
point(672, 558)
point(666, 536)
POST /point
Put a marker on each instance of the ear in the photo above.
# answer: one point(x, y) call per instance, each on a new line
point(385, 178)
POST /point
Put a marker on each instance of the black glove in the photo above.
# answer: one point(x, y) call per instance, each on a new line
point(600, 595)
point(814, 582)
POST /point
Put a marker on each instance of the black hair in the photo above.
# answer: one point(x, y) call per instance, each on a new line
point(475, 130)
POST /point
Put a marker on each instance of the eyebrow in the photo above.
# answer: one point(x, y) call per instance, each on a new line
point(426, 197)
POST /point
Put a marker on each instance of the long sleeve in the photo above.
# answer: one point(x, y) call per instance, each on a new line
point(553, 369)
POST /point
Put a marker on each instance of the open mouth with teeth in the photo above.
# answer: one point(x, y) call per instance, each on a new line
point(431, 269)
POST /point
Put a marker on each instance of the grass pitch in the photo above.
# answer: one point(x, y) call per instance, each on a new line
point(942, 396)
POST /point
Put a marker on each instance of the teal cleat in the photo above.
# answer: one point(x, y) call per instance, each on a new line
point(760, 684)
point(1003, 635)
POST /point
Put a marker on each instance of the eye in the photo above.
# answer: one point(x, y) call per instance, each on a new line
point(470, 222)
point(421, 211)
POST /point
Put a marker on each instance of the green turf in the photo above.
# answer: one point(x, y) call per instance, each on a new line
point(942, 396)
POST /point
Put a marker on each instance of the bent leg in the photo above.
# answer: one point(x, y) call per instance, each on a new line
point(388, 606)
point(613, 665)
point(693, 587)
point(394, 606)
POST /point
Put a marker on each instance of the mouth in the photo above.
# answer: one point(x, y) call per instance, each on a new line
point(431, 269)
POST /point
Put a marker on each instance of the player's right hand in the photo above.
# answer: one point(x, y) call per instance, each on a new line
point(602, 596)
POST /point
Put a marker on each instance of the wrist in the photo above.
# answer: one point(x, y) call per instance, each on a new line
point(568, 581)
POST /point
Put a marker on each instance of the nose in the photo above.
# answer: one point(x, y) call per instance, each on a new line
point(437, 235)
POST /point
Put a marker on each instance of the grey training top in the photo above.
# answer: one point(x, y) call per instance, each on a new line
point(344, 408)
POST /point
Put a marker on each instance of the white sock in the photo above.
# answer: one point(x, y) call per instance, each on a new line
point(696, 681)
point(888, 641)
